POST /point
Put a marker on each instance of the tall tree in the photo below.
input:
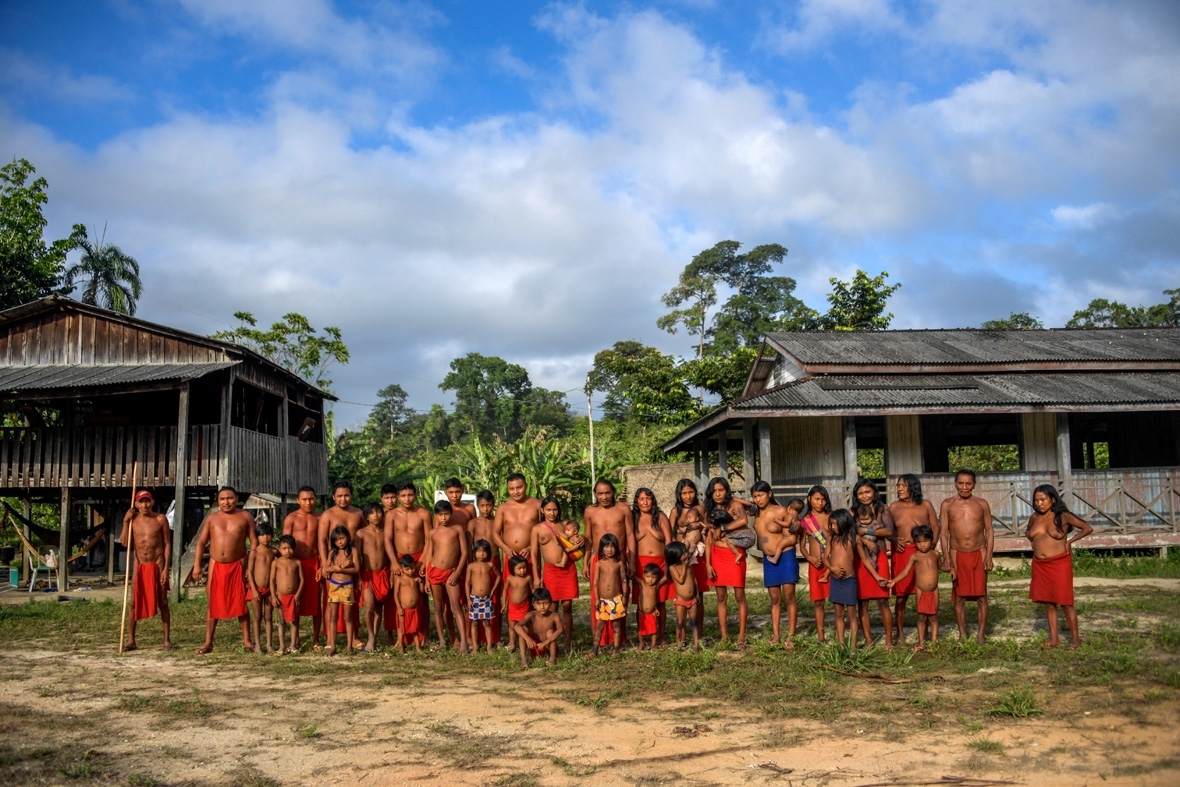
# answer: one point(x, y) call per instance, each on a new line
point(690, 300)
point(642, 384)
point(1017, 321)
point(391, 412)
point(1101, 313)
point(109, 277)
point(292, 343)
point(31, 267)
point(496, 398)
point(859, 305)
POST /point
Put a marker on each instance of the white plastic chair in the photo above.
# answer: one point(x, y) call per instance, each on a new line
point(49, 561)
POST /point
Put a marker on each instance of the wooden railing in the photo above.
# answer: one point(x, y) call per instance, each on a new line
point(106, 456)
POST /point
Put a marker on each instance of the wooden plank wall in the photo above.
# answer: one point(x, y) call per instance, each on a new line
point(307, 465)
point(105, 457)
point(255, 461)
point(806, 447)
point(67, 337)
point(1039, 432)
point(903, 444)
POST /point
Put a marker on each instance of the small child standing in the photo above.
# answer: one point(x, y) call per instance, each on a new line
point(482, 582)
point(407, 593)
point(540, 629)
point(924, 564)
point(258, 570)
point(840, 559)
point(286, 585)
point(688, 593)
point(649, 601)
point(341, 573)
point(518, 589)
point(611, 586)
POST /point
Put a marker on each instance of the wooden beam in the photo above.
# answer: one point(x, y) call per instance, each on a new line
point(28, 511)
point(723, 453)
point(850, 471)
point(1064, 460)
point(63, 562)
point(181, 479)
point(767, 469)
point(749, 451)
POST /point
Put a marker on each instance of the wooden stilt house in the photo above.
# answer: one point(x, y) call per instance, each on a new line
point(90, 397)
point(1096, 413)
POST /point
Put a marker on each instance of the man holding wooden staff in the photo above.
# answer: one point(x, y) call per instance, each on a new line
point(149, 556)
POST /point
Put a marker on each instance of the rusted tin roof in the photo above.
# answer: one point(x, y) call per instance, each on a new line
point(971, 347)
point(49, 377)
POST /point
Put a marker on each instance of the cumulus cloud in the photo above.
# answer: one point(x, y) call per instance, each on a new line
point(33, 78)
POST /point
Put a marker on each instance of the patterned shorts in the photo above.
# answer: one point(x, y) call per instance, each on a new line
point(340, 592)
point(612, 608)
point(481, 608)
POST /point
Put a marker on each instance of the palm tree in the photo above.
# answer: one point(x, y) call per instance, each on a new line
point(108, 274)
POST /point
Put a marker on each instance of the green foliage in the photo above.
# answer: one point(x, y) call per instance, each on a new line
point(871, 462)
point(109, 277)
point(859, 305)
point(1018, 703)
point(724, 375)
point(985, 458)
point(494, 398)
point(1101, 313)
point(642, 384)
point(690, 300)
point(32, 268)
point(1016, 321)
point(293, 344)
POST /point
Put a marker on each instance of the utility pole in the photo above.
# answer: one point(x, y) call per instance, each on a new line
point(590, 415)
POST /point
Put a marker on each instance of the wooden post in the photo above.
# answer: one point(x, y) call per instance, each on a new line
point(723, 453)
point(703, 450)
point(850, 471)
point(111, 553)
point(28, 510)
point(767, 471)
point(181, 479)
point(63, 562)
point(1064, 460)
point(696, 464)
point(748, 452)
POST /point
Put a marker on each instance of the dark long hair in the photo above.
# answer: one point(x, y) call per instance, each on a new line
point(1058, 506)
point(877, 505)
point(914, 486)
point(340, 530)
point(554, 501)
point(681, 485)
point(655, 507)
point(710, 504)
point(611, 540)
point(827, 509)
point(843, 526)
point(763, 486)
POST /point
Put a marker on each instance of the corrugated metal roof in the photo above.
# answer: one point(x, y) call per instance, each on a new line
point(980, 347)
point(870, 392)
point(26, 378)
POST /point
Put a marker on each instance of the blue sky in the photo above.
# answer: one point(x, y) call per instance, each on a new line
point(526, 179)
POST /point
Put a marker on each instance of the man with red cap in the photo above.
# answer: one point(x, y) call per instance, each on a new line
point(150, 558)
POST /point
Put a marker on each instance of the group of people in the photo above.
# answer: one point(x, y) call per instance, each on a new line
point(520, 560)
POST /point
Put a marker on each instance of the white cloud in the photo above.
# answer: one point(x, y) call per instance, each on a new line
point(57, 83)
point(819, 20)
point(1085, 217)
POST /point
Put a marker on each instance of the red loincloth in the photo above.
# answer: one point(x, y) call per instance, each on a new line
point(907, 586)
point(148, 595)
point(1052, 580)
point(594, 607)
point(438, 576)
point(606, 632)
point(818, 591)
point(309, 599)
point(866, 586)
point(412, 626)
point(971, 581)
point(667, 591)
point(731, 571)
point(516, 612)
point(700, 573)
point(226, 590)
point(389, 612)
point(376, 580)
point(928, 602)
point(562, 583)
point(647, 624)
point(290, 604)
point(262, 593)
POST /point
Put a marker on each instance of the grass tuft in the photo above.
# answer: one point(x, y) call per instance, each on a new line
point(1018, 703)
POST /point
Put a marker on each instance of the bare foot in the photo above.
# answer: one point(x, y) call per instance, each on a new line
point(789, 644)
point(775, 640)
point(206, 648)
point(169, 646)
point(130, 646)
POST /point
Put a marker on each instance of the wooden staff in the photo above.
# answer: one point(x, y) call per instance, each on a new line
point(130, 556)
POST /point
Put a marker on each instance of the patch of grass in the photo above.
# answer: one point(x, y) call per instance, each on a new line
point(308, 731)
point(75, 770)
point(140, 780)
point(461, 749)
point(529, 779)
point(844, 658)
point(1018, 703)
point(252, 777)
point(570, 769)
point(1148, 767)
point(986, 746)
point(191, 707)
point(1168, 636)
point(133, 703)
